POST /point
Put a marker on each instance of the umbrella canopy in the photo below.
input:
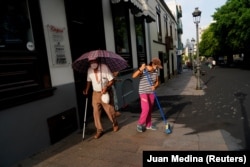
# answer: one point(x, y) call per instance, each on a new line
point(114, 61)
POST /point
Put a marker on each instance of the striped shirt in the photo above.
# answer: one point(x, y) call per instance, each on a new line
point(144, 85)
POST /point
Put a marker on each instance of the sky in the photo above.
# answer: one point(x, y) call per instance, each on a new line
point(207, 7)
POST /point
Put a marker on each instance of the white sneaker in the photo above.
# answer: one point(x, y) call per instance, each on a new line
point(151, 128)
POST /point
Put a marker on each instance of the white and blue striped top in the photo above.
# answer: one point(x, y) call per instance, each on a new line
point(144, 85)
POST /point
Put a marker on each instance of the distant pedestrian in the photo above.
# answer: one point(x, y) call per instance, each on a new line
point(146, 92)
point(213, 64)
point(189, 66)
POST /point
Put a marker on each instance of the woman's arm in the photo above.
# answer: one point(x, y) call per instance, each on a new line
point(156, 83)
point(139, 71)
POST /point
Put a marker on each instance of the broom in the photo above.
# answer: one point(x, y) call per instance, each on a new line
point(167, 125)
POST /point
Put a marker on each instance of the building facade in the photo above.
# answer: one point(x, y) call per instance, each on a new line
point(41, 95)
point(177, 13)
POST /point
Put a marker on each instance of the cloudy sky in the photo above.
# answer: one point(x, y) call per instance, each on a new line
point(207, 7)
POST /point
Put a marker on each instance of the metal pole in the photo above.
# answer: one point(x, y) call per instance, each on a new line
point(190, 58)
point(192, 42)
point(198, 84)
point(193, 60)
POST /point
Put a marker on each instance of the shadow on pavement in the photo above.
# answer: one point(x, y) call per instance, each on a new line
point(241, 98)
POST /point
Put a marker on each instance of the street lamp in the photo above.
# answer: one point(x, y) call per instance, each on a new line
point(193, 42)
point(196, 16)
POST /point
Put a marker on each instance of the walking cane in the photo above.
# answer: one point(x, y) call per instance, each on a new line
point(167, 125)
point(85, 114)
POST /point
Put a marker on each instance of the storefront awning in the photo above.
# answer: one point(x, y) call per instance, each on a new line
point(139, 8)
point(136, 6)
point(147, 12)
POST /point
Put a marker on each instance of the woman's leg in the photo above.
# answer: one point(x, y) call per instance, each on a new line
point(144, 109)
point(151, 99)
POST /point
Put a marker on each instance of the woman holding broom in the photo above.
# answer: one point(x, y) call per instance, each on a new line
point(146, 92)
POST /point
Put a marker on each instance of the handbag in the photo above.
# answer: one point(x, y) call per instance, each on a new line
point(105, 98)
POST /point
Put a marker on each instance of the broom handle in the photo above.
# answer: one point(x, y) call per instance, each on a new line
point(157, 101)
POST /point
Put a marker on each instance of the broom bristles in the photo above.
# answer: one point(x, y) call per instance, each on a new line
point(168, 129)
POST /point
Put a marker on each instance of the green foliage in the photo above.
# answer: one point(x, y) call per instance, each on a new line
point(232, 27)
point(230, 33)
point(209, 46)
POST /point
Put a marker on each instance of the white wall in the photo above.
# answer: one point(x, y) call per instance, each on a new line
point(108, 26)
point(172, 6)
point(53, 13)
point(156, 47)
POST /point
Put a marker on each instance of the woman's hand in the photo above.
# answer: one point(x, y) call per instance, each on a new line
point(143, 66)
point(139, 71)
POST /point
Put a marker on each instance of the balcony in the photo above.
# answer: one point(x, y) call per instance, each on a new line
point(179, 11)
point(179, 28)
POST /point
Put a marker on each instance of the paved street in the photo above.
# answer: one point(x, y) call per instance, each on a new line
point(227, 102)
point(224, 105)
point(214, 118)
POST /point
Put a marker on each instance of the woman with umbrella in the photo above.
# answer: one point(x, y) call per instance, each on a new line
point(101, 79)
point(100, 66)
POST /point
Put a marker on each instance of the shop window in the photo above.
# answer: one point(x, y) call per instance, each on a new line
point(166, 24)
point(121, 35)
point(122, 32)
point(140, 40)
point(15, 27)
point(24, 71)
point(158, 23)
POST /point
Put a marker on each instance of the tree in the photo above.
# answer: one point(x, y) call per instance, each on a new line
point(209, 46)
point(232, 28)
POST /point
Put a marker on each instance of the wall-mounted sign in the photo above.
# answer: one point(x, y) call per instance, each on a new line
point(30, 46)
point(57, 45)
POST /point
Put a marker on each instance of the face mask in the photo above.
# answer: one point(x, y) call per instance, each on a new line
point(94, 66)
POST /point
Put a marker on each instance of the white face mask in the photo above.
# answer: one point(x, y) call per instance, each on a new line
point(94, 65)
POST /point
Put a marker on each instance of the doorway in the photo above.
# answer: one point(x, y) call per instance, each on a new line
point(86, 33)
point(140, 41)
point(161, 57)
